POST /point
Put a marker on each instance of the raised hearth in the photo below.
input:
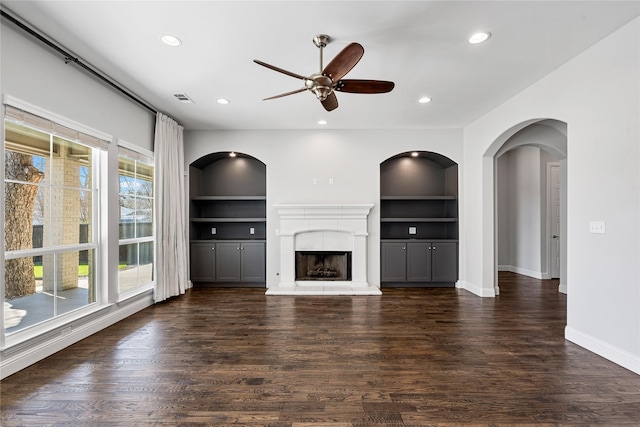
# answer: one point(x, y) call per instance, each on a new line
point(329, 229)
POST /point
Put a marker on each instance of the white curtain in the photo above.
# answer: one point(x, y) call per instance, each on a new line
point(171, 238)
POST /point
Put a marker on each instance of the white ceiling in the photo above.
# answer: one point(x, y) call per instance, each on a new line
point(420, 45)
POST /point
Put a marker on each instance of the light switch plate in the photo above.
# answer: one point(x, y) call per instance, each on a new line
point(596, 227)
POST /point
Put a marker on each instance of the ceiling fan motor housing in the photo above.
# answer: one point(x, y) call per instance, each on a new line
point(320, 85)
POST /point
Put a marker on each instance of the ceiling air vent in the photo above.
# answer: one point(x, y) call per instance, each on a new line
point(183, 97)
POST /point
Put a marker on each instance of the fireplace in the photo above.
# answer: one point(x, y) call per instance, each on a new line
point(323, 265)
point(323, 250)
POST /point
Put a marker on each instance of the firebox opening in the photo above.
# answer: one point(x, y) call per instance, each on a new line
point(323, 265)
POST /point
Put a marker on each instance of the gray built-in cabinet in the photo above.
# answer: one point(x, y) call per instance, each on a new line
point(227, 221)
point(419, 221)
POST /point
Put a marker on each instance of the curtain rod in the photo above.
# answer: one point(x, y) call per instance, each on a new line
point(68, 57)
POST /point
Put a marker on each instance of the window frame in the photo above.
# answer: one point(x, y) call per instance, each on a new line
point(137, 154)
point(27, 115)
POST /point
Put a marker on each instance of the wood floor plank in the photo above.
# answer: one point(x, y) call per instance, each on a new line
point(410, 357)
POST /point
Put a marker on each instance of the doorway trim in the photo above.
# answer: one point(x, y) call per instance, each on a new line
point(489, 189)
point(551, 234)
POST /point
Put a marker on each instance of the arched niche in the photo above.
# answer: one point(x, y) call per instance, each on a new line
point(228, 174)
point(227, 216)
point(419, 220)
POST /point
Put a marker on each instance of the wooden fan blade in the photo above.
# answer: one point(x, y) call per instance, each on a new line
point(331, 103)
point(344, 61)
point(364, 86)
point(280, 70)
point(286, 94)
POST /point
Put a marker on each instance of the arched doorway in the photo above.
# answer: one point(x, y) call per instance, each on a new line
point(533, 151)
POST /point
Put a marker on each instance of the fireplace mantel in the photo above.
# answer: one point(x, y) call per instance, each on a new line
point(323, 227)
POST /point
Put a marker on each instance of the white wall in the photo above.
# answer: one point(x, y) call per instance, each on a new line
point(597, 95)
point(521, 210)
point(295, 158)
point(524, 209)
point(520, 220)
point(32, 74)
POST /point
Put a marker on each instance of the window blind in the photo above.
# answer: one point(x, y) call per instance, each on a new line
point(94, 139)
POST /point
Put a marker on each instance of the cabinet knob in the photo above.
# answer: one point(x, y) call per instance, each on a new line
point(404, 248)
point(213, 248)
point(434, 248)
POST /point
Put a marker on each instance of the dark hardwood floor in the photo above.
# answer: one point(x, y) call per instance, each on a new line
point(411, 357)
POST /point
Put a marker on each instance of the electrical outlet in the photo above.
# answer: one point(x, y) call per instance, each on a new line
point(596, 227)
point(213, 230)
point(413, 230)
point(252, 230)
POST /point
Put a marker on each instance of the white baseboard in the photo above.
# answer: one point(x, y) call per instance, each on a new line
point(21, 360)
point(562, 288)
point(523, 271)
point(480, 291)
point(606, 350)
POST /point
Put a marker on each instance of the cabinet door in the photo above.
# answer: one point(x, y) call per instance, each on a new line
point(252, 262)
point(394, 262)
point(228, 262)
point(418, 262)
point(444, 259)
point(203, 261)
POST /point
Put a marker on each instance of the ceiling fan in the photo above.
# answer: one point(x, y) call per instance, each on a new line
point(328, 80)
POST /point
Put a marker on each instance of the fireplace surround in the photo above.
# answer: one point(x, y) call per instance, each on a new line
point(323, 228)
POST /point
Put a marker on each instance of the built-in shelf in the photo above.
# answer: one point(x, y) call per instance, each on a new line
point(228, 219)
point(389, 219)
point(418, 220)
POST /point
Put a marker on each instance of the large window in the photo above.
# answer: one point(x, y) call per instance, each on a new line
point(51, 217)
point(136, 247)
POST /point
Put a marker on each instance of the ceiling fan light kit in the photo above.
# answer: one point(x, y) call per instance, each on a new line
point(328, 80)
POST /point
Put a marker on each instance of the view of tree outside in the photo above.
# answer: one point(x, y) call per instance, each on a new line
point(20, 194)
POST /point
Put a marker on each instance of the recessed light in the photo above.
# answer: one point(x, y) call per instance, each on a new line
point(223, 101)
point(424, 100)
point(322, 122)
point(232, 154)
point(479, 37)
point(170, 40)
